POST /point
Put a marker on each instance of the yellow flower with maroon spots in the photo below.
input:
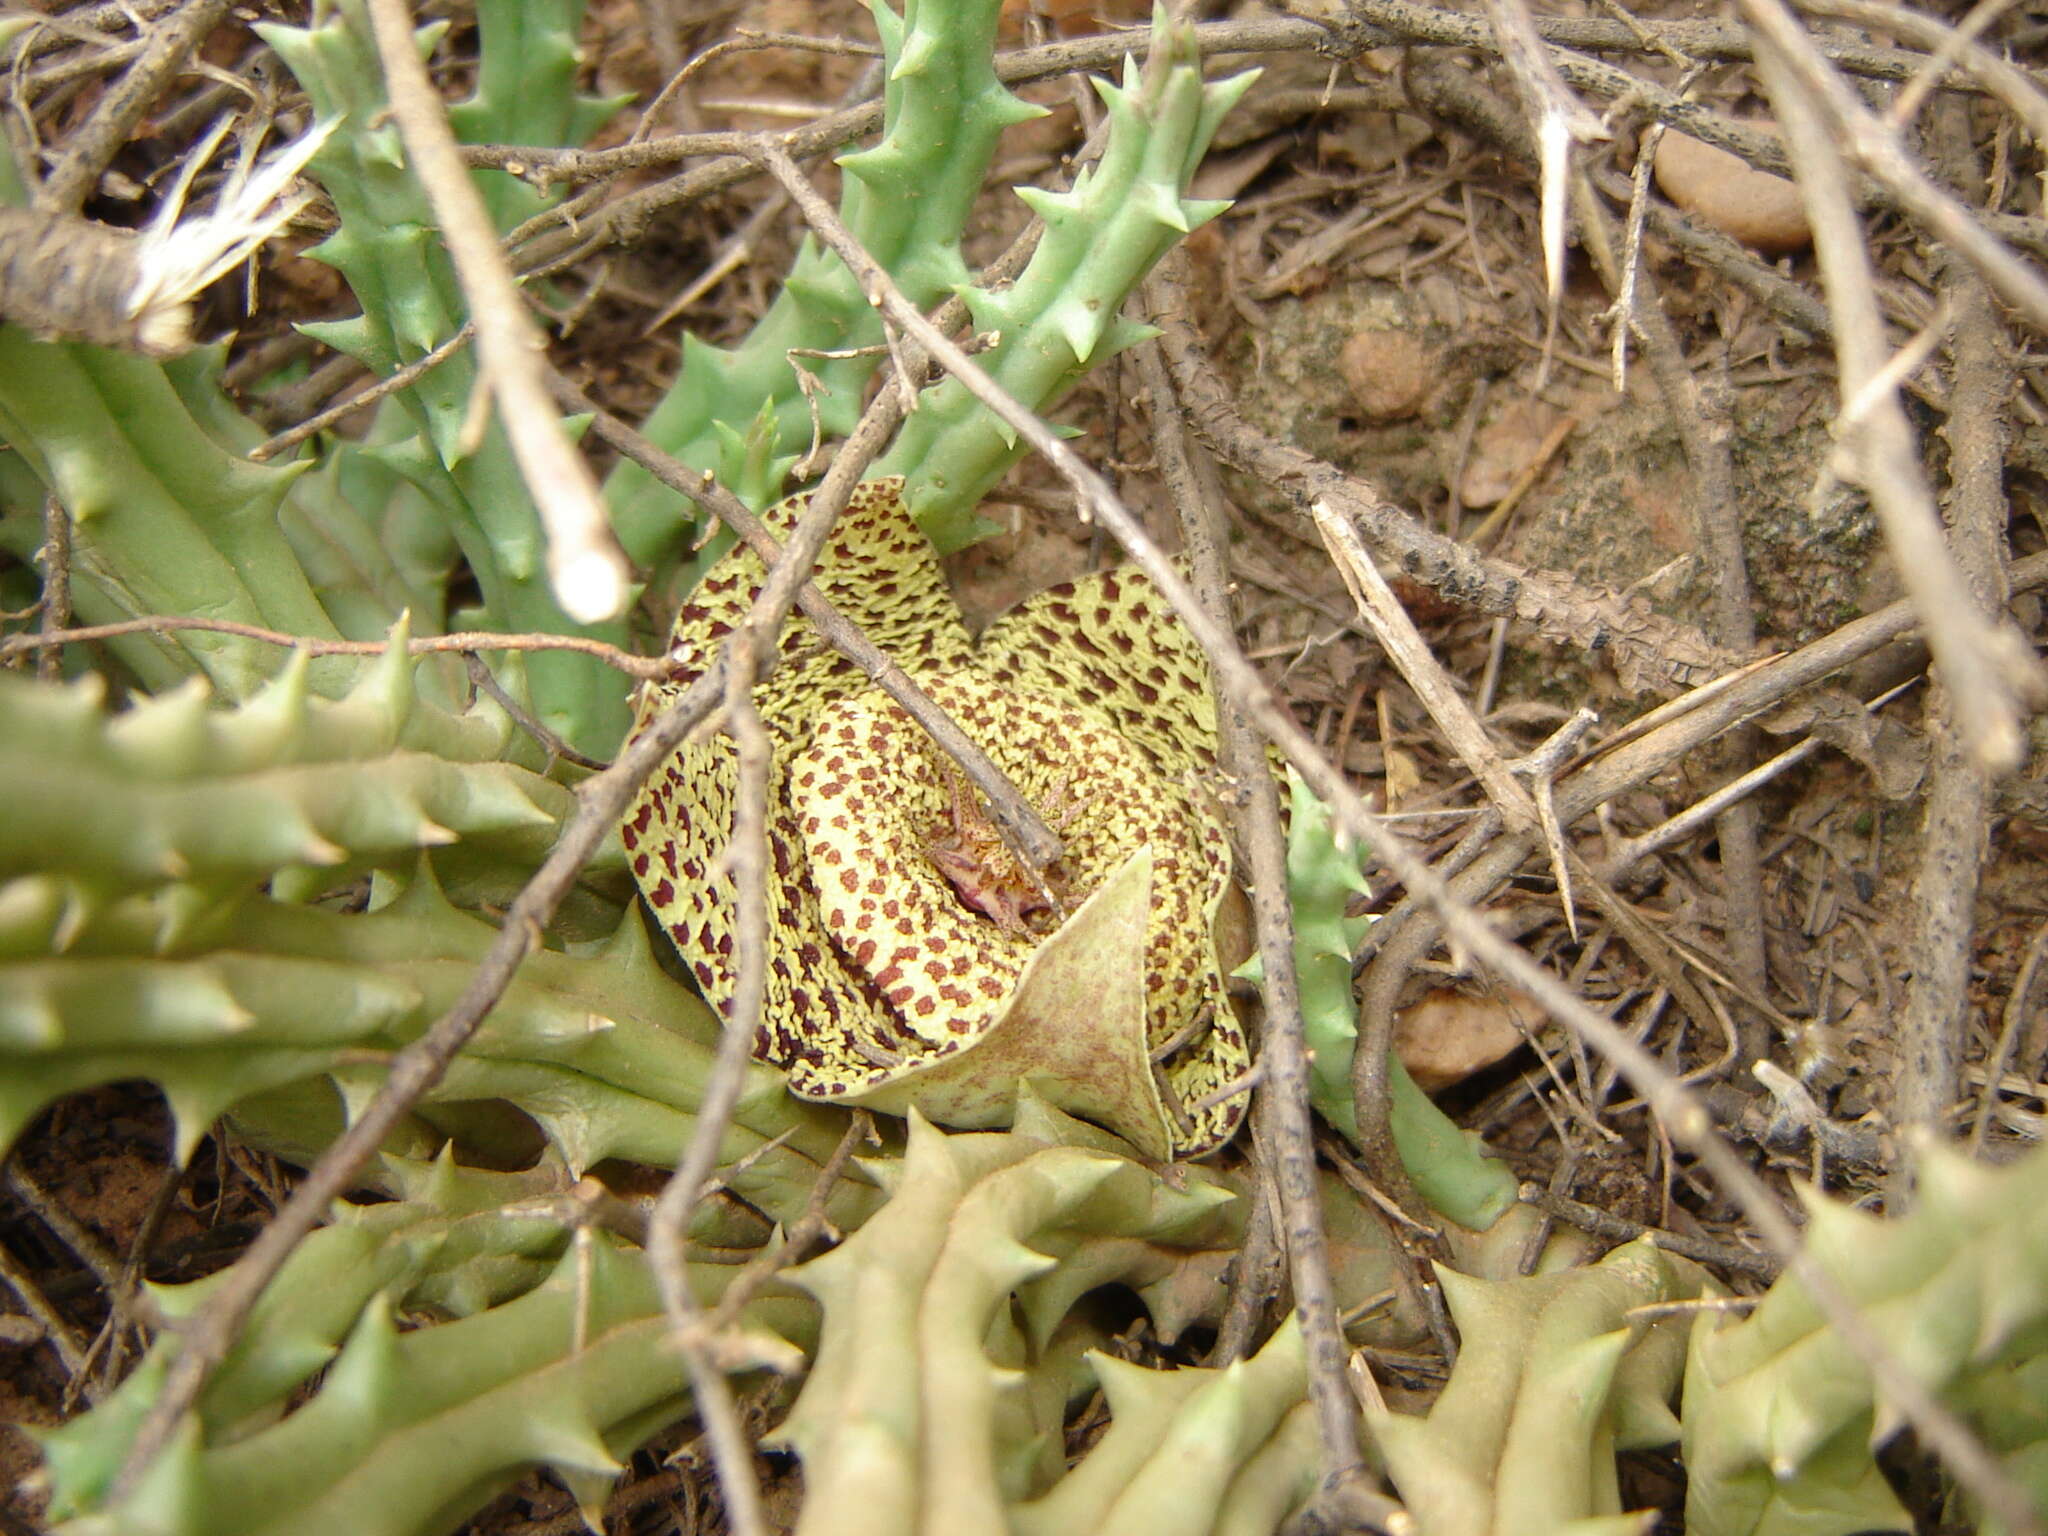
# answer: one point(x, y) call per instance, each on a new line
point(912, 960)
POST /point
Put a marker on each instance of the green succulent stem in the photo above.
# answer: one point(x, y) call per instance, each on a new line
point(389, 249)
point(1449, 1166)
point(168, 519)
point(1063, 314)
point(1781, 1414)
point(907, 200)
point(408, 1429)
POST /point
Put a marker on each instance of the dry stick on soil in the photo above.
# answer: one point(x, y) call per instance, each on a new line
point(206, 1336)
point(1519, 808)
point(1681, 1113)
point(586, 567)
point(1617, 768)
point(2020, 93)
point(1241, 755)
point(795, 1248)
point(1981, 664)
point(1286, 1081)
point(1714, 41)
point(1704, 419)
point(1955, 824)
point(72, 1233)
point(1020, 824)
point(1409, 932)
point(70, 1349)
point(1559, 120)
point(1441, 90)
point(1371, 1084)
point(2016, 1006)
point(462, 641)
point(1918, 199)
point(91, 147)
point(1590, 1218)
point(1663, 739)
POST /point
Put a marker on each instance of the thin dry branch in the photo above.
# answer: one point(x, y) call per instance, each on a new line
point(1242, 756)
point(589, 572)
point(1956, 821)
point(747, 858)
point(91, 146)
point(391, 383)
point(1949, 47)
point(1788, 60)
point(54, 610)
point(1991, 675)
point(1703, 417)
point(55, 1327)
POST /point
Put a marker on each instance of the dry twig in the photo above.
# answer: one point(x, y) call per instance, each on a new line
point(588, 570)
point(94, 143)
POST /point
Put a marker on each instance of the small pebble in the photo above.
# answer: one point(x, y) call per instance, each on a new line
point(1390, 373)
point(1761, 210)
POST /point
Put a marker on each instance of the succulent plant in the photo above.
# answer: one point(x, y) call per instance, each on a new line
point(906, 1424)
point(250, 876)
point(1781, 1417)
point(1449, 1167)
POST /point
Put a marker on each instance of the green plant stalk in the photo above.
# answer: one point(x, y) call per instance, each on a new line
point(1062, 316)
point(2010, 1404)
point(389, 250)
point(167, 519)
point(526, 94)
point(933, 1393)
point(1450, 1167)
point(1522, 1438)
point(602, 1053)
point(896, 1424)
point(371, 545)
point(409, 1432)
point(453, 1244)
point(174, 790)
point(1780, 1412)
point(907, 200)
point(1190, 1450)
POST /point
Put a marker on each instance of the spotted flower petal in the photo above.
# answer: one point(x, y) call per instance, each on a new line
point(913, 962)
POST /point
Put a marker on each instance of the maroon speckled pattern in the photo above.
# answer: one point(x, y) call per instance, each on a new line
point(1091, 697)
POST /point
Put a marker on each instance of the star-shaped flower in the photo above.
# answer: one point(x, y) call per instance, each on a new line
point(913, 961)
